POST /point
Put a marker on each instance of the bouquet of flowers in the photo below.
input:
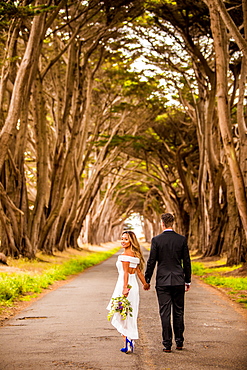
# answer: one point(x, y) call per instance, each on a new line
point(121, 305)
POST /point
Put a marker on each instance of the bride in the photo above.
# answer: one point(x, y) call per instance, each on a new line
point(129, 264)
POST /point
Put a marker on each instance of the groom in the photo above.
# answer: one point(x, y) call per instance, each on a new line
point(173, 278)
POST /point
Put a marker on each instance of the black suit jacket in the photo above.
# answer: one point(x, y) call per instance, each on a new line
point(171, 252)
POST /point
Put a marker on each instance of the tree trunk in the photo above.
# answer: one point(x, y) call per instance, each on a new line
point(29, 59)
point(220, 40)
point(229, 23)
point(40, 123)
point(233, 234)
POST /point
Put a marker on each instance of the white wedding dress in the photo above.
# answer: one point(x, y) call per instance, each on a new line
point(127, 327)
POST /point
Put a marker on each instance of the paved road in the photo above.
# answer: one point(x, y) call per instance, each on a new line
point(67, 329)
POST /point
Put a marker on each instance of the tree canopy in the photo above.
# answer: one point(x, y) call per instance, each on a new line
point(110, 108)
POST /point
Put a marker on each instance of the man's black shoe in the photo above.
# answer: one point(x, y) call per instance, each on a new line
point(179, 345)
point(167, 349)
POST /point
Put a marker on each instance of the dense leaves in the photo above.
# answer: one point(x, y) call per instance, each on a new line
point(110, 108)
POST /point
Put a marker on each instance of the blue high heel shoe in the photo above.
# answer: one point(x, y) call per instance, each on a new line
point(129, 346)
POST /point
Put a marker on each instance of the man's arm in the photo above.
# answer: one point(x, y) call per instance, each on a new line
point(151, 262)
point(186, 264)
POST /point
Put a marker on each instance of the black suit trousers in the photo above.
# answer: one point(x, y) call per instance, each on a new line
point(171, 300)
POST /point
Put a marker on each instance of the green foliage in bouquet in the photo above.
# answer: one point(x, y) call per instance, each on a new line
point(121, 305)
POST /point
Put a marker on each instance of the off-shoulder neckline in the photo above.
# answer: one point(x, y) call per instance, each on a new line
point(126, 255)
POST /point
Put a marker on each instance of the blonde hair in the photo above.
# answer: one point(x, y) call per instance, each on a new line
point(135, 247)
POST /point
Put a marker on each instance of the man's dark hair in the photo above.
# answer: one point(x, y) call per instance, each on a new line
point(167, 219)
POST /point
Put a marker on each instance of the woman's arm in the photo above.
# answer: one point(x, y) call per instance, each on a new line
point(140, 275)
point(126, 278)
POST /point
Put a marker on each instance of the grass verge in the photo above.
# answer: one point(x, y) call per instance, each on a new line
point(35, 276)
point(223, 277)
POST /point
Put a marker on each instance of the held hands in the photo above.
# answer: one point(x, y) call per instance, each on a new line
point(146, 286)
